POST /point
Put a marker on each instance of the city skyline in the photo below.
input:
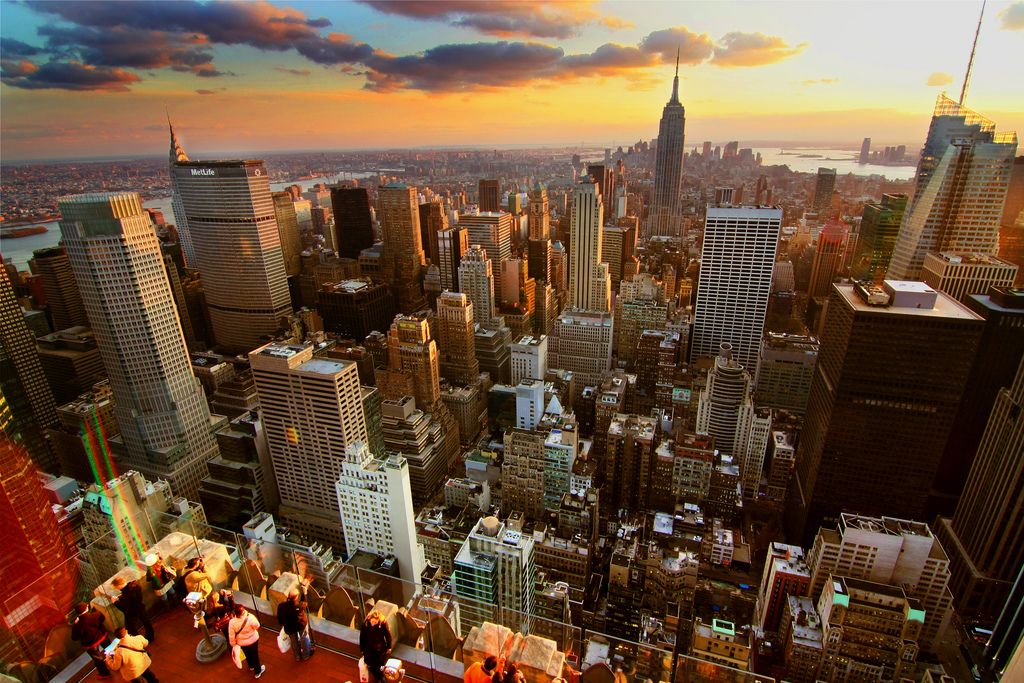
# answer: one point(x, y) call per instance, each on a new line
point(302, 66)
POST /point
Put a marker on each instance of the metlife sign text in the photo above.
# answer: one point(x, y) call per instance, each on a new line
point(203, 171)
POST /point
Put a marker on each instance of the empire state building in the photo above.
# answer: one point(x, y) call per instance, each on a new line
point(664, 218)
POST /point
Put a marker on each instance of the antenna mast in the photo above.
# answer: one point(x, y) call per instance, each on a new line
point(970, 62)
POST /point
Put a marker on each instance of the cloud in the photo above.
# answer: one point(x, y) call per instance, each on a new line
point(214, 91)
point(66, 76)
point(1012, 18)
point(939, 78)
point(752, 49)
point(693, 48)
point(504, 19)
point(293, 72)
point(130, 48)
point(13, 49)
point(820, 81)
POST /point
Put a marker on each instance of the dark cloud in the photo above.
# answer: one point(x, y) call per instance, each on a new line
point(504, 19)
point(130, 48)
point(214, 91)
point(752, 49)
point(293, 72)
point(15, 49)
point(67, 76)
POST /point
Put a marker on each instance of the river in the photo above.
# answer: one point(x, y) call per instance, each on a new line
point(20, 249)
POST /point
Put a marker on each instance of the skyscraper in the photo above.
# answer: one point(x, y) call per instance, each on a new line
point(402, 258)
point(865, 151)
point(985, 537)
point(451, 245)
point(312, 410)
point(177, 155)
point(455, 332)
point(237, 248)
point(492, 231)
point(589, 289)
point(433, 220)
point(828, 258)
point(735, 281)
point(63, 301)
point(161, 409)
point(288, 230)
point(353, 224)
point(962, 180)
point(375, 499)
point(540, 216)
point(823, 188)
point(893, 363)
point(495, 568)
point(879, 227)
point(664, 216)
point(490, 195)
point(476, 281)
point(22, 381)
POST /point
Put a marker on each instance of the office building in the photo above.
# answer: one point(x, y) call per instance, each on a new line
point(538, 256)
point(617, 249)
point(63, 301)
point(828, 258)
point(800, 635)
point(785, 574)
point(161, 410)
point(582, 344)
point(785, 371)
point(375, 499)
point(960, 275)
point(234, 234)
point(865, 151)
point(433, 219)
point(452, 243)
point(722, 642)
point(590, 289)
point(727, 413)
point(518, 296)
point(37, 576)
point(888, 551)
point(963, 177)
point(868, 630)
point(353, 222)
point(312, 409)
point(490, 195)
point(402, 258)
point(603, 176)
point(492, 230)
point(879, 228)
point(735, 281)
point(494, 569)
point(896, 358)
point(664, 218)
point(22, 380)
point(629, 461)
point(640, 306)
point(529, 357)
point(999, 353)
point(539, 225)
point(288, 231)
point(71, 362)
point(355, 308)
point(823, 188)
point(457, 343)
point(985, 537)
point(428, 441)
point(242, 482)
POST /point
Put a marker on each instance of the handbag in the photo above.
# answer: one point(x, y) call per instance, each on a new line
point(364, 671)
point(284, 643)
point(237, 656)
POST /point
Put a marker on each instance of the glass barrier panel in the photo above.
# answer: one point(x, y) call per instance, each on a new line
point(695, 670)
point(636, 661)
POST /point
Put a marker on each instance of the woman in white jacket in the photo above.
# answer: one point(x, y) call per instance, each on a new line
point(244, 631)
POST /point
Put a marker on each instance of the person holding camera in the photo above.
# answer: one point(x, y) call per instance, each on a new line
point(131, 659)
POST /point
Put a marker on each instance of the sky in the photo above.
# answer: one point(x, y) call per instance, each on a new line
point(82, 79)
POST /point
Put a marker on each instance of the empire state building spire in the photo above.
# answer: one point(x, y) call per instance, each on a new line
point(675, 82)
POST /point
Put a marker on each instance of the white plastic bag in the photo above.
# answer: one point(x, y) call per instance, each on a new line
point(237, 656)
point(284, 643)
point(364, 672)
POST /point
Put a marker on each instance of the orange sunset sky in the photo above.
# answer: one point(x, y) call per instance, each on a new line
point(84, 79)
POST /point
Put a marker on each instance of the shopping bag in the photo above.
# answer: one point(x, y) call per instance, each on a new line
point(364, 672)
point(284, 643)
point(237, 656)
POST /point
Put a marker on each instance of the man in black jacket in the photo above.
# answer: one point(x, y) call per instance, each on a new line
point(130, 602)
point(291, 614)
point(87, 628)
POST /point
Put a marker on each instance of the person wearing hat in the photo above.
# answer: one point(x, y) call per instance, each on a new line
point(161, 579)
point(88, 629)
point(136, 620)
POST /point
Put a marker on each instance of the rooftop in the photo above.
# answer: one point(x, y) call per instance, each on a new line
point(943, 307)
